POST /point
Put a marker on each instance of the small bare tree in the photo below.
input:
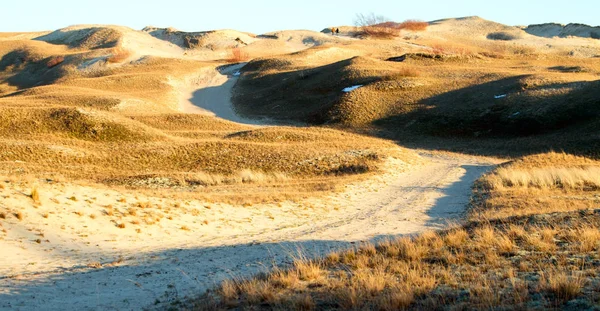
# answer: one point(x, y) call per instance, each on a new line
point(371, 19)
point(375, 26)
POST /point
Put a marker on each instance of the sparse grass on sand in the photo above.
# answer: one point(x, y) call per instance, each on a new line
point(486, 93)
point(118, 124)
point(539, 254)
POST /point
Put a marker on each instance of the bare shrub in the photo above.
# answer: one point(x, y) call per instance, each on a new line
point(376, 26)
point(238, 55)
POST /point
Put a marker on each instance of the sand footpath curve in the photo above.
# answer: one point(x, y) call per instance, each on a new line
point(59, 257)
point(209, 93)
point(90, 266)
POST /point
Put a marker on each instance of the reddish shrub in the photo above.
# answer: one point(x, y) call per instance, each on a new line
point(54, 61)
point(413, 25)
point(238, 55)
point(118, 55)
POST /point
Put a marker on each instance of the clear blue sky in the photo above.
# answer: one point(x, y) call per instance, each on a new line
point(270, 15)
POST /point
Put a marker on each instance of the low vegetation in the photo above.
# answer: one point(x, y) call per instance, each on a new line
point(413, 25)
point(503, 36)
point(544, 183)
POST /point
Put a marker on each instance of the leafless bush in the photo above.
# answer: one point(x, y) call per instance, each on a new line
point(376, 26)
point(238, 55)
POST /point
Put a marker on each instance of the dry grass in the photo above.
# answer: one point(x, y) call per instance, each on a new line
point(380, 31)
point(562, 285)
point(451, 48)
point(568, 178)
point(523, 262)
point(313, 159)
point(539, 184)
point(35, 195)
point(485, 260)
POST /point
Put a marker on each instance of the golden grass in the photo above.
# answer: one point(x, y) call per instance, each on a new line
point(313, 159)
point(539, 184)
point(372, 277)
point(515, 262)
point(576, 178)
point(562, 285)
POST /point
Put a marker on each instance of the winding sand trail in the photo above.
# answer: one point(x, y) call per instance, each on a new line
point(164, 264)
point(209, 93)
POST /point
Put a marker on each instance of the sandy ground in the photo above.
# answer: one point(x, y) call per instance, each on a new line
point(82, 263)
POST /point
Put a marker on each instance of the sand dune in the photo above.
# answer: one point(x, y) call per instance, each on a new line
point(139, 167)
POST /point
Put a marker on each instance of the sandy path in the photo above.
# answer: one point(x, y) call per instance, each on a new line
point(209, 93)
point(166, 263)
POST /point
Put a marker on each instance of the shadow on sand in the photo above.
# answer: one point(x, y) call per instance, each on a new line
point(160, 278)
